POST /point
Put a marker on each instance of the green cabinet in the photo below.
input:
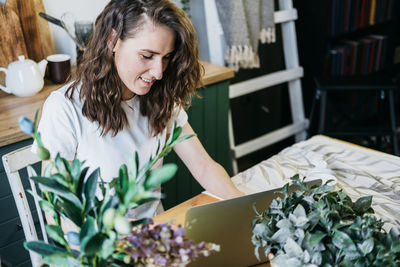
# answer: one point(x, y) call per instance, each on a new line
point(208, 117)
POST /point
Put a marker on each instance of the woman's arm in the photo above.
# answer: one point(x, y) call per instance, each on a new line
point(205, 170)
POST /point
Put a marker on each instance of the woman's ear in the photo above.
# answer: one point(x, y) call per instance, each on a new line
point(112, 40)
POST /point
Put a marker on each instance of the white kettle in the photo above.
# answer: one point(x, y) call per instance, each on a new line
point(24, 77)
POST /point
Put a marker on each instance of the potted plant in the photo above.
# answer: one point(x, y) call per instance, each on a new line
point(321, 227)
point(103, 235)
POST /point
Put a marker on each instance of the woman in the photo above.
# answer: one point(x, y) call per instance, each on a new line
point(139, 70)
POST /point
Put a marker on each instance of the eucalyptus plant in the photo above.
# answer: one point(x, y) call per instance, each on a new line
point(320, 227)
point(70, 193)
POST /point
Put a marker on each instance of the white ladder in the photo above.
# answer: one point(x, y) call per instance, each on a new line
point(291, 75)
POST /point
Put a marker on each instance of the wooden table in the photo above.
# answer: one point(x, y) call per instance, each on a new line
point(177, 213)
point(12, 107)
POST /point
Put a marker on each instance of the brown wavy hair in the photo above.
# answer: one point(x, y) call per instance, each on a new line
point(100, 86)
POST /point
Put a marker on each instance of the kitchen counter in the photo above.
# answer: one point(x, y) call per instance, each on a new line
point(12, 107)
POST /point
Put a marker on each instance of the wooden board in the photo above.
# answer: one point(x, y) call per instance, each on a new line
point(12, 42)
point(41, 24)
point(44, 29)
point(30, 28)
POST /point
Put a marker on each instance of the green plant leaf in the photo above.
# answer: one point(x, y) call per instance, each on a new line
point(161, 175)
point(90, 189)
point(312, 239)
point(59, 163)
point(76, 170)
point(362, 204)
point(88, 230)
point(60, 179)
point(343, 241)
point(35, 120)
point(293, 249)
point(32, 170)
point(366, 247)
point(133, 167)
point(143, 172)
point(170, 138)
point(133, 189)
point(55, 232)
point(81, 181)
point(70, 211)
point(55, 187)
point(139, 222)
point(182, 138)
point(123, 180)
point(395, 247)
point(322, 189)
point(108, 202)
point(48, 169)
point(94, 244)
point(43, 248)
point(108, 245)
point(47, 207)
point(61, 260)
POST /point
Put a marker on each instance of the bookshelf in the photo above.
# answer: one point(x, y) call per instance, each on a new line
point(347, 48)
point(360, 33)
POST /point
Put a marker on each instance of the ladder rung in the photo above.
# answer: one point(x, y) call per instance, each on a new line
point(285, 15)
point(255, 84)
point(269, 138)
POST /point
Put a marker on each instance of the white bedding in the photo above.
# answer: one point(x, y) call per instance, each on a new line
point(356, 170)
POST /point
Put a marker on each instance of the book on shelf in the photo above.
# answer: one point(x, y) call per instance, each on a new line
point(372, 12)
point(372, 56)
point(353, 48)
point(356, 57)
point(349, 15)
point(381, 40)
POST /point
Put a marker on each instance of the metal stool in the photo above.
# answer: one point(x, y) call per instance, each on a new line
point(383, 85)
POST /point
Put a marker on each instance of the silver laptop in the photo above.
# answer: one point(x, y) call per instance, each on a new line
point(228, 224)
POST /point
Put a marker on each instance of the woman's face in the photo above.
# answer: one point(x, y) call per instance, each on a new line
point(141, 60)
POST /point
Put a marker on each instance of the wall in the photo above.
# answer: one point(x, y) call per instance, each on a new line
point(205, 19)
point(82, 9)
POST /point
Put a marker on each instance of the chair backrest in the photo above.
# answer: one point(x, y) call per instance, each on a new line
point(14, 162)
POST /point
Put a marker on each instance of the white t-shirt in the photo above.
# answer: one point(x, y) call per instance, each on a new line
point(64, 129)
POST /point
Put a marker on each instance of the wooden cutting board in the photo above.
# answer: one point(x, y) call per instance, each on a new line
point(40, 24)
point(12, 42)
point(44, 29)
point(30, 28)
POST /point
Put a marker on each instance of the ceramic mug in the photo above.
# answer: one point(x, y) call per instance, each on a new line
point(59, 67)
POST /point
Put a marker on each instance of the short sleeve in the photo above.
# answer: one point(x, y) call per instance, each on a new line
point(58, 126)
point(180, 116)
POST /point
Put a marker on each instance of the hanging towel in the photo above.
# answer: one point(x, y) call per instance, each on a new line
point(267, 32)
point(243, 23)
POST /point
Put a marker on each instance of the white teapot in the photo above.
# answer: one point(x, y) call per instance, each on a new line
point(24, 77)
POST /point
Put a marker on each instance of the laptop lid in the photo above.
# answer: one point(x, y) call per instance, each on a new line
point(228, 224)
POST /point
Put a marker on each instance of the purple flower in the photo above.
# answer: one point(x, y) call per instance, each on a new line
point(26, 125)
point(164, 246)
point(179, 232)
point(160, 260)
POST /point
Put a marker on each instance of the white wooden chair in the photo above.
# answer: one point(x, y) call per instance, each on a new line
point(14, 162)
